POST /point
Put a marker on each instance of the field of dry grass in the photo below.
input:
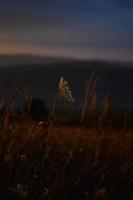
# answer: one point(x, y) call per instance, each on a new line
point(80, 163)
point(91, 159)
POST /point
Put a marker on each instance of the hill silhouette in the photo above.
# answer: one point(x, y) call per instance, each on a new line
point(41, 75)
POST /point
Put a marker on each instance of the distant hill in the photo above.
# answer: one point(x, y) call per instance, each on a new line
point(42, 75)
point(13, 60)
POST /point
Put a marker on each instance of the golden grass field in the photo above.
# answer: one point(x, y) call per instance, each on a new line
point(80, 163)
point(87, 157)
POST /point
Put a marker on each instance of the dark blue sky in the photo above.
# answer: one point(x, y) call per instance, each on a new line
point(100, 29)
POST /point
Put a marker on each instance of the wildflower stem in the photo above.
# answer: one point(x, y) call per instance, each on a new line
point(49, 133)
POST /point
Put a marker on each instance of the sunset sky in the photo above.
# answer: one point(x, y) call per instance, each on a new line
point(96, 29)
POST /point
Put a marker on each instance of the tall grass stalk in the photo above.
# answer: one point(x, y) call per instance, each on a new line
point(51, 118)
point(89, 90)
point(63, 92)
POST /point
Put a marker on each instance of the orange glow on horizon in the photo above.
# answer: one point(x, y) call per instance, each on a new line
point(92, 53)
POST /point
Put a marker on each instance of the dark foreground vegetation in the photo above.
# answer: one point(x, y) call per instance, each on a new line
point(59, 156)
point(69, 162)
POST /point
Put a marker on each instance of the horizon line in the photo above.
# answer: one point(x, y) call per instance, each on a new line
point(64, 57)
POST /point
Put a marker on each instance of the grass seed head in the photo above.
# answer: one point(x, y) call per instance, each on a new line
point(64, 90)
